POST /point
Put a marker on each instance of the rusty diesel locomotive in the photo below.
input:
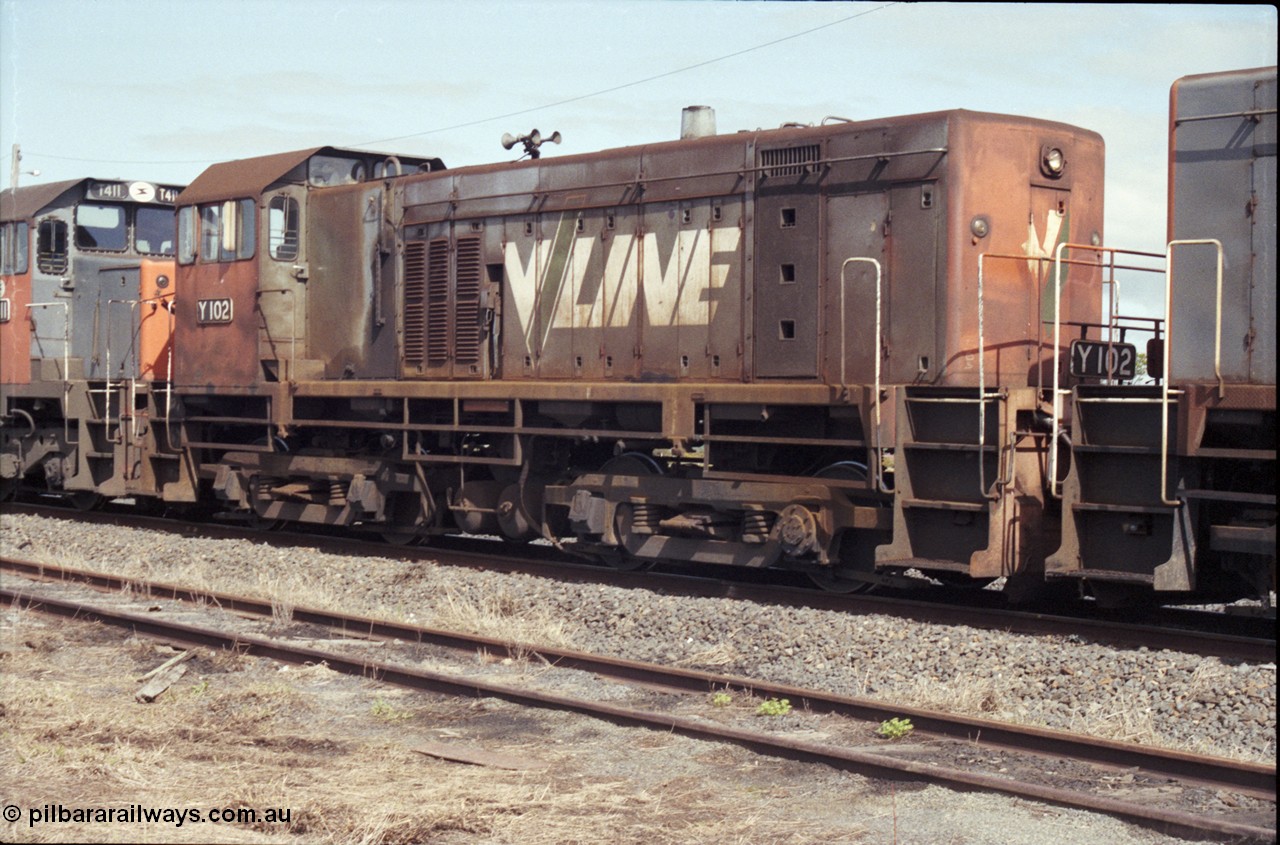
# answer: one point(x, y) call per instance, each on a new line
point(705, 350)
point(86, 338)
point(849, 349)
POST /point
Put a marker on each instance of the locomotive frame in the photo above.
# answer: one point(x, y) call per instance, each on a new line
point(848, 349)
point(662, 322)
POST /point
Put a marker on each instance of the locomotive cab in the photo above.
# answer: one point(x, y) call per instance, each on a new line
point(86, 330)
point(288, 264)
point(1172, 485)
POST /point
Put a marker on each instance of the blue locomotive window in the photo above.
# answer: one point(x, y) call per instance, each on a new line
point(153, 230)
point(13, 248)
point(282, 228)
point(51, 246)
point(101, 227)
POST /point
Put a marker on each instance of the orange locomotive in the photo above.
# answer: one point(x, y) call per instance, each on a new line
point(86, 333)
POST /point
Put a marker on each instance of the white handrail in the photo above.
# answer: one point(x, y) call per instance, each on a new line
point(879, 462)
point(1166, 363)
point(66, 361)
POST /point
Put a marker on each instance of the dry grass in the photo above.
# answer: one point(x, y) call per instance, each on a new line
point(1124, 718)
point(239, 732)
point(977, 697)
point(502, 617)
point(714, 657)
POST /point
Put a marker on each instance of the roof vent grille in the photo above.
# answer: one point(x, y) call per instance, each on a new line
point(790, 161)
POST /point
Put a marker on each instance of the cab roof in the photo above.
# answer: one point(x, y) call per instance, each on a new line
point(249, 177)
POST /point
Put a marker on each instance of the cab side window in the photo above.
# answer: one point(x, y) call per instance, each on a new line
point(282, 228)
point(51, 247)
point(13, 248)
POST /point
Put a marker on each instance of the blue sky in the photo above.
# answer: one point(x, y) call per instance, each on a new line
point(145, 89)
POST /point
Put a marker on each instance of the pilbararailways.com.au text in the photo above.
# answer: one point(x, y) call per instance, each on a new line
point(138, 814)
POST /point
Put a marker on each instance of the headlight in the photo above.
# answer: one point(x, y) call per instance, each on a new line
point(1052, 162)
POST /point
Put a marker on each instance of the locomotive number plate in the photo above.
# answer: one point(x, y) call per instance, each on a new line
point(213, 311)
point(1096, 359)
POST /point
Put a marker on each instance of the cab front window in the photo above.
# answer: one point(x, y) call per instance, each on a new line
point(100, 226)
point(153, 230)
point(326, 171)
point(227, 231)
point(187, 233)
point(13, 248)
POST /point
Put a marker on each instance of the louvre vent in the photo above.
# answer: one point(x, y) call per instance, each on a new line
point(438, 303)
point(415, 296)
point(467, 302)
point(790, 161)
point(443, 334)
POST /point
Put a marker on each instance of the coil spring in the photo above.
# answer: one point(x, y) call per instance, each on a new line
point(645, 517)
point(267, 484)
point(757, 524)
point(337, 493)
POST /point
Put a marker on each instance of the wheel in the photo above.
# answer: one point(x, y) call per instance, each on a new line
point(628, 463)
point(631, 463)
point(857, 551)
point(256, 522)
point(959, 581)
point(620, 560)
point(85, 500)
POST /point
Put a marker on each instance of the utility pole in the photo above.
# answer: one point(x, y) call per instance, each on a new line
point(15, 168)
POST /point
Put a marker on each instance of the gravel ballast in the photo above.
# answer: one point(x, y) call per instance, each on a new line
point(1161, 698)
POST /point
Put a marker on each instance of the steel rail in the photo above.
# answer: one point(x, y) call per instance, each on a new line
point(1111, 631)
point(877, 765)
point(1254, 779)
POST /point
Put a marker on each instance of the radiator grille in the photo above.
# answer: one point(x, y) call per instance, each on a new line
point(415, 296)
point(467, 327)
point(438, 303)
point(790, 161)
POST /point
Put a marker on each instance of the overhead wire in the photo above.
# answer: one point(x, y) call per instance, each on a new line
point(542, 107)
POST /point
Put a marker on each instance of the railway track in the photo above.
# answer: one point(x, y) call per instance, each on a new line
point(979, 737)
point(1231, 638)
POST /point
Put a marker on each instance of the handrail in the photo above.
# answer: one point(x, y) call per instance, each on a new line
point(879, 462)
point(66, 361)
point(1057, 337)
point(134, 304)
point(982, 364)
point(293, 328)
point(106, 390)
point(1168, 334)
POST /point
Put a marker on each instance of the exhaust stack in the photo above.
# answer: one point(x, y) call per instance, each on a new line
point(697, 122)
